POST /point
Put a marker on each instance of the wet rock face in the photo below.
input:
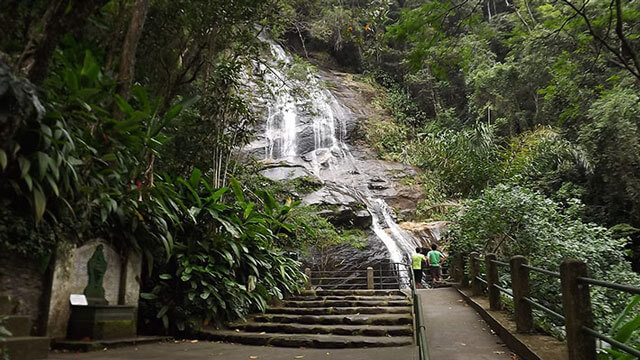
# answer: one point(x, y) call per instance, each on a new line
point(339, 207)
point(348, 259)
point(285, 171)
point(428, 232)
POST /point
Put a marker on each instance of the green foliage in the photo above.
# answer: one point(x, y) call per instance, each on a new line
point(224, 260)
point(612, 140)
point(623, 329)
point(317, 232)
point(512, 220)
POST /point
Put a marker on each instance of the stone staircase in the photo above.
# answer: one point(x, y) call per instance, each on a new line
point(328, 319)
point(20, 345)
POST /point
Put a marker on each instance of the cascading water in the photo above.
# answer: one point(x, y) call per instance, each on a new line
point(282, 114)
point(323, 149)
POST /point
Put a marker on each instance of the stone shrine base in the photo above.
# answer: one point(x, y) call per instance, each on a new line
point(102, 322)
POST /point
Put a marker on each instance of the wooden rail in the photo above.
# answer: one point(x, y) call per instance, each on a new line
point(576, 298)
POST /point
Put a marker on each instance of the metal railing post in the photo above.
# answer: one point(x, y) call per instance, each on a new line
point(520, 287)
point(576, 302)
point(307, 283)
point(492, 279)
point(476, 285)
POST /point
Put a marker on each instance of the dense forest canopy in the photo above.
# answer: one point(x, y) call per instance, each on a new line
point(124, 119)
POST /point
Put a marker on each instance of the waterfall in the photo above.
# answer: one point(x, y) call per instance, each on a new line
point(329, 157)
point(282, 114)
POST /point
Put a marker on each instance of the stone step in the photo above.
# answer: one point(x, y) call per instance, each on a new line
point(292, 328)
point(19, 325)
point(341, 310)
point(345, 303)
point(353, 292)
point(306, 340)
point(26, 347)
point(100, 345)
point(347, 297)
point(374, 319)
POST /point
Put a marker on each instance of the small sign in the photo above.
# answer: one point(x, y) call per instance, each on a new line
point(78, 300)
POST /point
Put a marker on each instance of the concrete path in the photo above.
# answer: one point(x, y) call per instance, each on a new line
point(455, 331)
point(223, 351)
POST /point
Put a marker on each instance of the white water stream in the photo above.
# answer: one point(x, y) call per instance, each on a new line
point(330, 157)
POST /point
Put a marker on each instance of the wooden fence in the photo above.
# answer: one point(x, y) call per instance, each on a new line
point(576, 298)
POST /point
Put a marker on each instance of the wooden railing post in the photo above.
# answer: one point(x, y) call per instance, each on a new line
point(453, 268)
point(576, 302)
point(476, 285)
point(464, 280)
point(520, 287)
point(307, 284)
point(492, 279)
point(370, 278)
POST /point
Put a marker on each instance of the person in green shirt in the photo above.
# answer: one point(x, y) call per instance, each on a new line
point(416, 264)
point(435, 258)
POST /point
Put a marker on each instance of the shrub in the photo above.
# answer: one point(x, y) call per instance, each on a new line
point(512, 220)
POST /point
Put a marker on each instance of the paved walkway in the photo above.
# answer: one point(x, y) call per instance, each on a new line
point(222, 351)
point(455, 331)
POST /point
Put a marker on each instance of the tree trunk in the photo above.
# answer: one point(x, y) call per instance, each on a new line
point(116, 36)
point(128, 56)
point(67, 16)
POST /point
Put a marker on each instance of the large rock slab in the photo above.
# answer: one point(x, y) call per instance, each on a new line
point(340, 207)
point(283, 170)
point(428, 232)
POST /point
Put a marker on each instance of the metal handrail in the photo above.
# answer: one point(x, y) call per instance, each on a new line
point(626, 288)
point(541, 270)
point(504, 290)
point(544, 308)
point(502, 263)
point(421, 329)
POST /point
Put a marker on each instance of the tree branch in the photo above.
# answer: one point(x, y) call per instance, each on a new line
point(634, 71)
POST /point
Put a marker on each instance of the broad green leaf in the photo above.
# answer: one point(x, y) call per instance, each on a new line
point(24, 164)
point(148, 296)
point(3, 160)
point(162, 311)
point(44, 162)
point(39, 202)
point(124, 105)
point(216, 195)
point(108, 157)
point(624, 314)
point(248, 210)
point(173, 112)
point(29, 181)
point(237, 189)
point(194, 180)
point(627, 329)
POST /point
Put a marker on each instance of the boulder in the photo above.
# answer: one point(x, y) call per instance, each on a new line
point(428, 232)
point(306, 140)
point(340, 208)
point(283, 170)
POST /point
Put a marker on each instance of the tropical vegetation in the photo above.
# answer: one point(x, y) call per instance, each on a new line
point(123, 119)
